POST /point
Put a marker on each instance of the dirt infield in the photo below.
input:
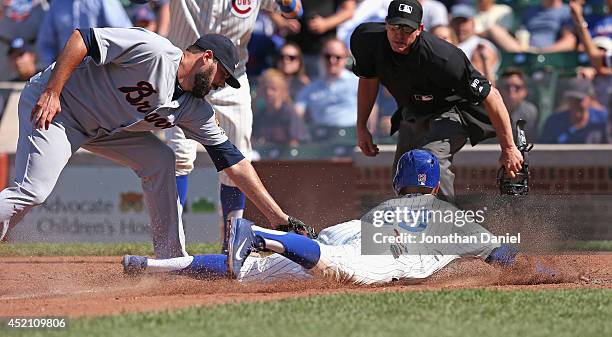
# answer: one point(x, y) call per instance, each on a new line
point(91, 286)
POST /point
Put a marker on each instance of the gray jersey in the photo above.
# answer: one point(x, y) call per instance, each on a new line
point(130, 88)
point(232, 18)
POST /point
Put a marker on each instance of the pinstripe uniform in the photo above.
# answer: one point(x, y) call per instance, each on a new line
point(342, 260)
point(234, 19)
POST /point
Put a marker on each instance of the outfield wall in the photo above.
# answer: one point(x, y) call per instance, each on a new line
point(555, 169)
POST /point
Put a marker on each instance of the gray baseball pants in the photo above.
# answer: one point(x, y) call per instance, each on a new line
point(42, 154)
point(443, 135)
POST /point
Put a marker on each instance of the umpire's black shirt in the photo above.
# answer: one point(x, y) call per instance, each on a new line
point(432, 78)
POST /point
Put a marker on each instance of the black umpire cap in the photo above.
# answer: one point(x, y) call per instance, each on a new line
point(405, 12)
point(224, 51)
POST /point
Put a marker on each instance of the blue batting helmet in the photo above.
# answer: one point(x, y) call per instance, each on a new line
point(416, 168)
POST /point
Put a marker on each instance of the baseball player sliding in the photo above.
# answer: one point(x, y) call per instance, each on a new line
point(337, 252)
point(113, 86)
point(235, 19)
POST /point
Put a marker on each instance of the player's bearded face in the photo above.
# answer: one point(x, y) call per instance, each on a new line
point(203, 83)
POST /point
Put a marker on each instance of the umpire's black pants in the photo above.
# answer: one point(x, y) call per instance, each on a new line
point(442, 135)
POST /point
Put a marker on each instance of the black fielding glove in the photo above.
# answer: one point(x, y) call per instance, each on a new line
point(298, 227)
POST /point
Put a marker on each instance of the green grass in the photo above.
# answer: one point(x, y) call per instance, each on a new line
point(522, 313)
point(593, 245)
point(94, 249)
point(115, 249)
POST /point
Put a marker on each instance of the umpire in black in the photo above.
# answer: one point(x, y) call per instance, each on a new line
point(442, 99)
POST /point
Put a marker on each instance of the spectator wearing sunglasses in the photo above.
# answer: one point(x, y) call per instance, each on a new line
point(513, 88)
point(291, 63)
point(329, 103)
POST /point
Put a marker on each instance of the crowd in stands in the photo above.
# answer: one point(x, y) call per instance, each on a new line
point(304, 91)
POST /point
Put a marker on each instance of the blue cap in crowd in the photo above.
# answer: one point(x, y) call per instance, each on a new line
point(19, 45)
point(463, 11)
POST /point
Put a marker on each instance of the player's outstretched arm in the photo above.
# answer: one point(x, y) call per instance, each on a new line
point(246, 178)
point(48, 104)
point(511, 157)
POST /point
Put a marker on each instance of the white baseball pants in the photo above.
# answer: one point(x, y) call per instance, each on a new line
point(233, 110)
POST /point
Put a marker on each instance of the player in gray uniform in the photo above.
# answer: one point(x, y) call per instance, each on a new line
point(337, 252)
point(114, 86)
point(236, 20)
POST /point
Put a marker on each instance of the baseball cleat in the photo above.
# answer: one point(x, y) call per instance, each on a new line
point(3, 229)
point(240, 243)
point(134, 265)
point(503, 255)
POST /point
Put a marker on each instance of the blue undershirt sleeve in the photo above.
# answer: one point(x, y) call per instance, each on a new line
point(224, 155)
point(90, 42)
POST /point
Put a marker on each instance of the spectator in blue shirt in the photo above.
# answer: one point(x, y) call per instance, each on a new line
point(330, 102)
point(580, 123)
point(385, 108)
point(600, 24)
point(65, 16)
point(550, 28)
point(153, 15)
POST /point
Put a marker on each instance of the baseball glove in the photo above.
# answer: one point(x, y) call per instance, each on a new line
point(298, 227)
